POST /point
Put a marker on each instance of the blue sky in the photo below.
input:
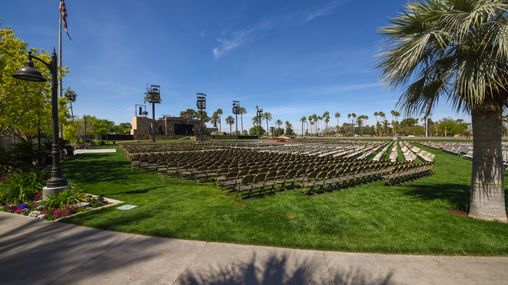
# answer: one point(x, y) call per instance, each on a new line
point(292, 58)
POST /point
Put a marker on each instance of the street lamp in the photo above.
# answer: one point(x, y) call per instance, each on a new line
point(259, 114)
point(236, 111)
point(153, 95)
point(56, 183)
point(201, 105)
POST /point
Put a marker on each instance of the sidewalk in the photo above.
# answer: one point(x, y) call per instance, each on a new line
point(39, 252)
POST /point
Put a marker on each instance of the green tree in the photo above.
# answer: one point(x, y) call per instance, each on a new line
point(267, 116)
point(71, 96)
point(230, 121)
point(25, 107)
point(189, 114)
point(242, 111)
point(337, 116)
point(457, 49)
point(303, 120)
point(219, 117)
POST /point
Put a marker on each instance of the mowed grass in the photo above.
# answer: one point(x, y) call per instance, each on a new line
point(413, 218)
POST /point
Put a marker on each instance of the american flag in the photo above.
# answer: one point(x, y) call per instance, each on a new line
point(63, 14)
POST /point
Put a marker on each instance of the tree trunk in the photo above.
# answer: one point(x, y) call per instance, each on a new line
point(487, 201)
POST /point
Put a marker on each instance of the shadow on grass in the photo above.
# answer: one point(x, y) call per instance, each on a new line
point(455, 193)
point(94, 168)
point(278, 269)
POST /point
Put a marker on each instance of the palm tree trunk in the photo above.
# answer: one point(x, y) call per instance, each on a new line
point(266, 126)
point(241, 119)
point(230, 130)
point(487, 181)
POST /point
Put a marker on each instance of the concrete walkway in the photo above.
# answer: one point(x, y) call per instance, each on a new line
point(95, 150)
point(39, 252)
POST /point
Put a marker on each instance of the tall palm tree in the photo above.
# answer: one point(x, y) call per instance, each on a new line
point(326, 117)
point(230, 121)
point(219, 116)
point(383, 116)
point(318, 119)
point(242, 111)
point(311, 122)
point(376, 114)
point(214, 119)
point(71, 96)
point(303, 120)
point(395, 121)
point(360, 120)
point(278, 123)
point(352, 117)
point(457, 49)
point(337, 116)
point(267, 116)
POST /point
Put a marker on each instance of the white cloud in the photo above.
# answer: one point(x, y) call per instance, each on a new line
point(238, 38)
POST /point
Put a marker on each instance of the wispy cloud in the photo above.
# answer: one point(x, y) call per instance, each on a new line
point(324, 11)
point(239, 37)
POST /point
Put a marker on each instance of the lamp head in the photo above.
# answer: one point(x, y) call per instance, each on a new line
point(29, 72)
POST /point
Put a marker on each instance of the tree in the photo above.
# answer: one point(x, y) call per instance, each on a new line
point(457, 49)
point(219, 115)
point(352, 117)
point(360, 121)
point(385, 123)
point(242, 111)
point(189, 114)
point(326, 117)
point(267, 116)
point(311, 122)
point(230, 121)
point(289, 129)
point(303, 120)
point(71, 96)
point(206, 119)
point(25, 107)
point(337, 116)
point(214, 119)
point(395, 121)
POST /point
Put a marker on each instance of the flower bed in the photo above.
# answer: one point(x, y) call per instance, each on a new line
point(56, 208)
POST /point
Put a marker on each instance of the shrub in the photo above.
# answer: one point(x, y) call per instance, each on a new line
point(70, 196)
point(21, 187)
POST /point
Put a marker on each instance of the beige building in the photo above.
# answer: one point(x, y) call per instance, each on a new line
point(165, 126)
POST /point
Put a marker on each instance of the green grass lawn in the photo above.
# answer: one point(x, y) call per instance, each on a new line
point(412, 218)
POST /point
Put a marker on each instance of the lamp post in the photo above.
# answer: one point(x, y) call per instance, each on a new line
point(259, 114)
point(236, 111)
point(153, 95)
point(56, 183)
point(201, 105)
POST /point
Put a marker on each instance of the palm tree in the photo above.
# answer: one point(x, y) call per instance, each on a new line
point(71, 96)
point(352, 116)
point(303, 120)
point(337, 116)
point(395, 121)
point(311, 122)
point(267, 116)
point(318, 119)
point(214, 119)
point(360, 121)
point(278, 123)
point(219, 114)
point(326, 117)
point(383, 116)
point(230, 121)
point(376, 114)
point(242, 111)
point(457, 49)
point(188, 114)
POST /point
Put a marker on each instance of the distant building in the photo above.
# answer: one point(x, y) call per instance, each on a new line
point(166, 126)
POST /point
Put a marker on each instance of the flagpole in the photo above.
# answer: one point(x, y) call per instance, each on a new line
point(60, 86)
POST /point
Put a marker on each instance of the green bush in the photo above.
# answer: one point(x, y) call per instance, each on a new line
point(69, 196)
point(21, 187)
